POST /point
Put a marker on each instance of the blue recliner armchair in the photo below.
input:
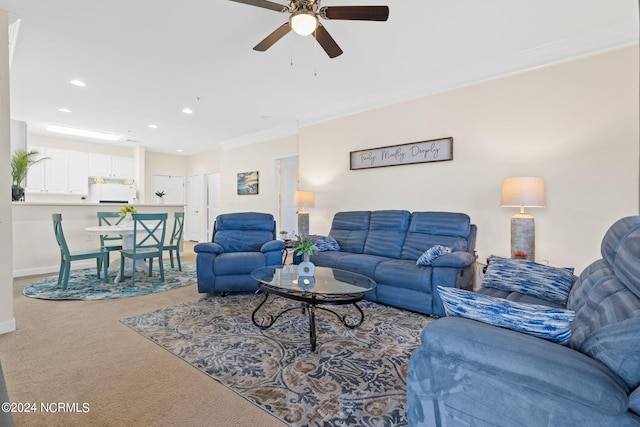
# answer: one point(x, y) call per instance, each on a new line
point(241, 242)
point(468, 373)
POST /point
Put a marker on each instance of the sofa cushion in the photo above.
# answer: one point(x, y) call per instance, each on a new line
point(242, 240)
point(634, 401)
point(530, 278)
point(327, 258)
point(431, 254)
point(245, 221)
point(360, 263)
point(350, 230)
point(627, 264)
point(618, 231)
point(517, 297)
point(405, 274)
point(238, 263)
point(387, 230)
point(427, 229)
point(324, 243)
point(552, 324)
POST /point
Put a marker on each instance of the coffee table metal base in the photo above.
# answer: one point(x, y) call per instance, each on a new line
point(310, 304)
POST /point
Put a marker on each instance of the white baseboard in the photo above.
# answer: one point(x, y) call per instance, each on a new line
point(8, 326)
point(54, 269)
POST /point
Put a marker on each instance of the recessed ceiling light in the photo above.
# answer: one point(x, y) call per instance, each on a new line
point(187, 110)
point(64, 110)
point(83, 132)
point(179, 150)
point(78, 83)
point(152, 126)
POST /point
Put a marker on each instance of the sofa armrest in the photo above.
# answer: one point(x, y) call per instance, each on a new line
point(273, 245)
point(515, 358)
point(459, 259)
point(208, 247)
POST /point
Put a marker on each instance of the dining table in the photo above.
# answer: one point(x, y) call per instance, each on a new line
point(126, 232)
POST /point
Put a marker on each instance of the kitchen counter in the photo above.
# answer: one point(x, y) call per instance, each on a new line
point(35, 250)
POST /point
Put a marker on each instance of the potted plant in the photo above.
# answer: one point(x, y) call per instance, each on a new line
point(126, 211)
point(21, 161)
point(160, 194)
point(305, 247)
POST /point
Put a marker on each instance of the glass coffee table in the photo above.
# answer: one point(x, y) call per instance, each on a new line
point(329, 286)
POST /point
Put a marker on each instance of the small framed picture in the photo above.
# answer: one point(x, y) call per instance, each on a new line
point(248, 183)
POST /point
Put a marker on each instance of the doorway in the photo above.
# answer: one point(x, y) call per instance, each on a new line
point(213, 205)
point(287, 177)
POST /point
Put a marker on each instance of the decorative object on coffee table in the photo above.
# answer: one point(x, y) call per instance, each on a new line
point(523, 192)
point(305, 247)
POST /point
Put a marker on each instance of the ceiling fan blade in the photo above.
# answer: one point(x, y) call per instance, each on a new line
point(264, 4)
point(280, 32)
point(359, 13)
point(327, 42)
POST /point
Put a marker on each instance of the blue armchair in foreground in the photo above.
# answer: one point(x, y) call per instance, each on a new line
point(468, 373)
point(241, 243)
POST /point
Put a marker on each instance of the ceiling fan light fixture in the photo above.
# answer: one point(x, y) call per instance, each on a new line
point(303, 22)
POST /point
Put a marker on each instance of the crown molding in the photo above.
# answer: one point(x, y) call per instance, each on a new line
point(289, 129)
point(600, 40)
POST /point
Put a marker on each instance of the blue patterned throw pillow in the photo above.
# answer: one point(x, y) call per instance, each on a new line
point(324, 243)
point(432, 253)
point(553, 324)
point(529, 278)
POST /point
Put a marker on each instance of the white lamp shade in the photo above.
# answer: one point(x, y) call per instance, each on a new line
point(523, 191)
point(304, 199)
point(303, 22)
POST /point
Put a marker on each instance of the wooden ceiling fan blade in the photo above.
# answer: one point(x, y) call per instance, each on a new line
point(327, 42)
point(270, 40)
point(264, 4)
point(358, 13)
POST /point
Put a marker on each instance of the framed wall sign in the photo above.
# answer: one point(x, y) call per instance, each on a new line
point(248, 182)
point(434, 150)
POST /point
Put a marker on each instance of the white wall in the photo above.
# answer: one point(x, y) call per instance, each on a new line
point(257, 157)
point(7, 321)
point(575, 124)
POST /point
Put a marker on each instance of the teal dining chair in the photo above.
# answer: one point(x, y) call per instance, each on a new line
point(109, 242)
point(66, 256)
point(148, 243)
point(176, 238)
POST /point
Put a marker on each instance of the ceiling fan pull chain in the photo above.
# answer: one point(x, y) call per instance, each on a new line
point(315, 51)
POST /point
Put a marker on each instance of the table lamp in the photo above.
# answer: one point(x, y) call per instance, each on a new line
point(523, 192)
point(303, 199)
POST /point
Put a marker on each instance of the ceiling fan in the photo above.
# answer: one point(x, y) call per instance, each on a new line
point(304, 20)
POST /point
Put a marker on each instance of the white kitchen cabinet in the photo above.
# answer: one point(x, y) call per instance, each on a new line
point(50, 175)
point(62, 172)
point(105, 166)
point(78, 173)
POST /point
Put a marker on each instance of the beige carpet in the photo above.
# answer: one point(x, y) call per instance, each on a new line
point(79, 351)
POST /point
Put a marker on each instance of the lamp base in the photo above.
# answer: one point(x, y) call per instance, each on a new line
point(303, 223)
point(523, 236)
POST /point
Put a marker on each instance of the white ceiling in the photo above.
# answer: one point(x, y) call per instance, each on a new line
point(145, 60)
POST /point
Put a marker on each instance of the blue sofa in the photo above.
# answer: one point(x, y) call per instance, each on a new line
point(467, 373)
point(240, 243)
point(384, 245)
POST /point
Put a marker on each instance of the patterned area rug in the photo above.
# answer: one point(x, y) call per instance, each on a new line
point(85, 285)
point(356, 377)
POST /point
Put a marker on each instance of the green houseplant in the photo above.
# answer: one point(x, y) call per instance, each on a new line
point(21, 161)
point(127, 209)
point(160, 194)
point(305, 247)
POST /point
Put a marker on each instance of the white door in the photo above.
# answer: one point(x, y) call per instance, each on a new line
point(214, 205)
point(173, 187)
point(193, 223)
point(287, 185)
